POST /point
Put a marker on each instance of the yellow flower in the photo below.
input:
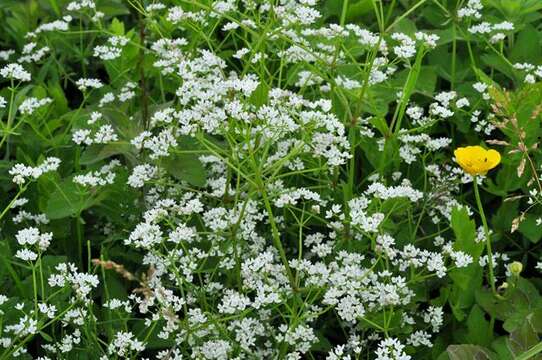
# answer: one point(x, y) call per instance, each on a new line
point(476, 160)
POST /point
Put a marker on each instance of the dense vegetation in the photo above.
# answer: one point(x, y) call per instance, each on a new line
point(282, 179)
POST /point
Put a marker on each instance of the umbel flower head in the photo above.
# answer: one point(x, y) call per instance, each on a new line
point(476, 160)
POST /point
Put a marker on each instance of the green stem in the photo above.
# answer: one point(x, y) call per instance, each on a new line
point(276, 238)
point(531, 352)
point(344, 11)
point(488, 238)
point(79, 233)
point(11, 115)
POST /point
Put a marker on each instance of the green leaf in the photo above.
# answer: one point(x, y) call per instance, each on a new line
point(523, 338)
point(95, 153)
point(47, 337)
point(187, 168)
point(469, 352)
point(480, 331)
point(523, 50)
point(260, 96)
point(67, 200)
point(465, 233)
point(530, 229)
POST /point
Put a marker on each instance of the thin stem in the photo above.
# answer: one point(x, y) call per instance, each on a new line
point(531, 352)
point(486, 233)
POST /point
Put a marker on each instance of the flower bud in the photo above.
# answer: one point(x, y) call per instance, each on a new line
point(515, 268)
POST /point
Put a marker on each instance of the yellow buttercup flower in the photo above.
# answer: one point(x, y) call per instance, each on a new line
point(476, 160)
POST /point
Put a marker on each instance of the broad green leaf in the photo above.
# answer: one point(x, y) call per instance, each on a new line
point(67, 200)
point(187, 168)
point(465, 233)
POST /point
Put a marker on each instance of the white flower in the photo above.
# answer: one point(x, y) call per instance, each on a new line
point(15, 71)
point(480, 87)
point(25, 326)
point(5, 54)
point(48, 310)
point(32, 236)
point(406, 48)
point(84, 84)
point(28, 106)
point(145, 236)
point(21, 172)
point(57, 25)
point(391, 349)
point(80, 5)
point(26, 255)
point(472, 9)
point(434, 316)
point(111, 51)
point(141, 174)
point(103, 176)
point(124, 344)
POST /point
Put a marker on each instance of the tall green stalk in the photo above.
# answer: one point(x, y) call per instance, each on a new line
point(486, 235)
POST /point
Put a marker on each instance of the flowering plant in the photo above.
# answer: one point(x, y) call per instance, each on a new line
point(193, 179)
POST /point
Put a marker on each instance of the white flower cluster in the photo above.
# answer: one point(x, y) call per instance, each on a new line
point(32, 241)
point(101, 177)
point(497, 30)
point(412, 145)
point(57, 25)
point(105, 134)
point(32, 54)
point(23, 215)
point(29, 105)
point(359, 217)
point(141, 174)
point(159, 144)
point(391, 349)
point(112, 50)
point(6, 54)
point(86, 83)
point(81, 283)
point(383, 192)
point(532, 71)
point(471, 10)
point(80, 5)
point(124, 345)
point(21, 172)
point(16, 72)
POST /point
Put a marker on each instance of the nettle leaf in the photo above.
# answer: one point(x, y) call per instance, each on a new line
point(68, 199)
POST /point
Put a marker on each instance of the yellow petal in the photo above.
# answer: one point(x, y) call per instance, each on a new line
point(476, 160)
point(494, 158)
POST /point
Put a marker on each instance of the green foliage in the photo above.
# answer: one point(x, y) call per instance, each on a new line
point(276, 194)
